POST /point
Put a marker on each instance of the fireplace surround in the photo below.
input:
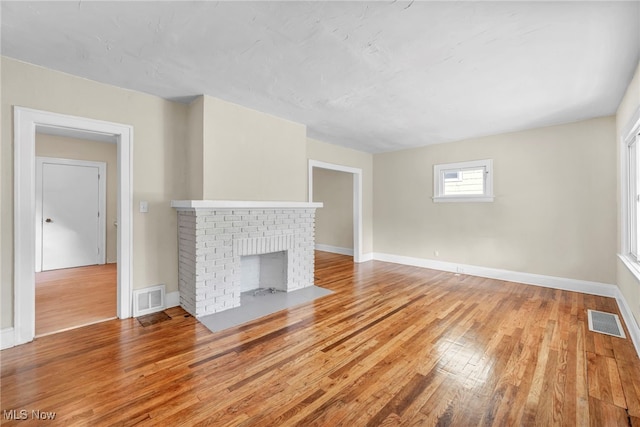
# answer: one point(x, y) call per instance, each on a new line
point(214, 235)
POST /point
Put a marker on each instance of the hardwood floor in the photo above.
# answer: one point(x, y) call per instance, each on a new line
point(73, 297)
point(394, 345)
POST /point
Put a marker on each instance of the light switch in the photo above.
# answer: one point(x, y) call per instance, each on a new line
point(144, 207)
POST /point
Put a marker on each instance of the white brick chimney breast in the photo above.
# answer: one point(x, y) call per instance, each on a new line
point(214, 234)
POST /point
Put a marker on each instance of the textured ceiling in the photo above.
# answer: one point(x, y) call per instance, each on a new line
point(375, 76)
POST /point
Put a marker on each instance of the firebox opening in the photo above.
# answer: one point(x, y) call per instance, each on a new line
point(264, 272)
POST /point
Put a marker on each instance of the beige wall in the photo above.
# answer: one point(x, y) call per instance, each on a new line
point(158, 163)
point(330, 153)
point(249, 155)
point(334, 222)
point(627, 282)
point(78, 149)
point(210, 149)
point(194, 149)
point(553, 214)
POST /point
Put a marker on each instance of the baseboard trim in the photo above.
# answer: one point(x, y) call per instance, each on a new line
point(575, 285)
point(334, 249)
point(563, 283)
point(367, 257)
point(629, 320)
point(172, 299)
point(7, 338)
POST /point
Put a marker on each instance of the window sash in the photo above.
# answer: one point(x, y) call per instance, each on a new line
point(459, 182)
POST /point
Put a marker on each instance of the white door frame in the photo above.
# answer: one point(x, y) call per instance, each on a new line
point(357, 200)
point(26, 122)
point(102, 204)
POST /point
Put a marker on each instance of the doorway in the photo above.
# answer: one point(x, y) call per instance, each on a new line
point(357, 200)
point(334, 222)
point(76, 232)
point(28, 122)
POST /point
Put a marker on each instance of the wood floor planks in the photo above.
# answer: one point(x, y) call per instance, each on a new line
point(394, 345)
point(72, 297)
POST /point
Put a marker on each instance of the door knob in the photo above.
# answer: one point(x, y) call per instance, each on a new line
point(48, 220)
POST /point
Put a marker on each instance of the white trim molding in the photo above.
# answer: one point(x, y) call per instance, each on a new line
point(575, 285)
point(27, 122)
point(334, 249)
point(7, 338)
point(627, 314)
point(357, 200)
point(367, 257)
point(628, 211)
point(240, 204)
point(562, 283)
point(629, 320)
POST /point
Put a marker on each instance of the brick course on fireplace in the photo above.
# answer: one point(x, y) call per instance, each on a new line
point(213, 235)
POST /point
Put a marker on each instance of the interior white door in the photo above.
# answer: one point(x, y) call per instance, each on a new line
point(70, 216)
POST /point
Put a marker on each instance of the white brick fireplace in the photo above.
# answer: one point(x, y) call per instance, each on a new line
point(214, 236)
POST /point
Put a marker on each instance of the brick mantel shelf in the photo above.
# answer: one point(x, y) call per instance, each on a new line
point(214, 234)
point(241, 204)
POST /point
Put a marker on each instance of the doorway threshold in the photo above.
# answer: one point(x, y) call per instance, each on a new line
point(70, 328)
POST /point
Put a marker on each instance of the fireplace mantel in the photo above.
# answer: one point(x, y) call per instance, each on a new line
point(242, 204)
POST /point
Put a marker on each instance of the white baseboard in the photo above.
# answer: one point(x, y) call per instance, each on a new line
point(334, 249)
point(563, 283)
point(7, 338)
point(344, 251)
point(575, 285)
point(629, 320)
point(367, 257)
point(172, 299)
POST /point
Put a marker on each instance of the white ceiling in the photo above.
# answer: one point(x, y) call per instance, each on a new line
point(375, 76)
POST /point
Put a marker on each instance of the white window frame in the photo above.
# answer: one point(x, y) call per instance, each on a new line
point(630, 191)
point(439, 180)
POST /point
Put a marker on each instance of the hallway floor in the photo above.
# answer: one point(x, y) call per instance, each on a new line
point(74, 297)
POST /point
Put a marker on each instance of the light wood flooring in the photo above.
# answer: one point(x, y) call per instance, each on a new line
point(73, 297)
point(394, 345)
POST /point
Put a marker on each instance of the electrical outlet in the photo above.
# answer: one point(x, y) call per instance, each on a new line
point(144, 207)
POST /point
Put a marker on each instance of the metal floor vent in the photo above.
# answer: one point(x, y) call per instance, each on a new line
point(605, 323)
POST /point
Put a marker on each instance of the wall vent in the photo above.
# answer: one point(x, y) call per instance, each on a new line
point(148, 300)
point(605, 323)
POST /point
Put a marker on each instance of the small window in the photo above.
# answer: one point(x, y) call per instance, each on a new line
point(463, 182)
point(631, 198)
